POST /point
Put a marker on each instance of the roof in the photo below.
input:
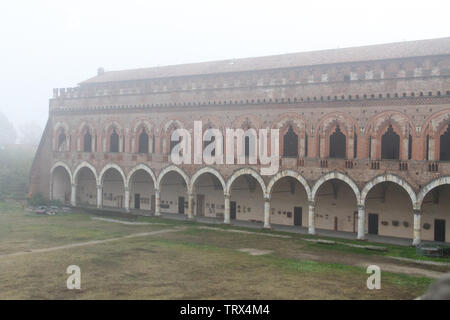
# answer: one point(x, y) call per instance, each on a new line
point(430, 47)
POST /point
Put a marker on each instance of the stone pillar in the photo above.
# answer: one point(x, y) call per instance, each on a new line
point(417, 227)
point(226, 215)
point(190, 205)
point(50, 195)
point(157, 203)
point(361, 223)
point(373, 152)
point(127, 199)
point(311, 216)
point(267, 213)
point(99, 196)
point(73, 195)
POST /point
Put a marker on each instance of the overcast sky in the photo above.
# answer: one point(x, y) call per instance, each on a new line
point(49, 44)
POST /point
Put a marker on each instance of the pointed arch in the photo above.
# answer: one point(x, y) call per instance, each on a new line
point(82, 165)
point(246, 171)
point(288, 173)
point(389, 178)
point(63, 165)
point(112, 166)
point(335, 175)
point(168, 169)
point(143, 167)
point(207, 170)
point(430, 186)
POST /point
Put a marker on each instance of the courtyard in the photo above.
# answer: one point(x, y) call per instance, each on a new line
point(160, 258)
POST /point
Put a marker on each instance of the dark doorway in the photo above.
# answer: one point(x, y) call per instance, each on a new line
point(337, 144)
point(373, 223)
point(181, 205)
point(445, 145)
point(297, 216)
point(335, 223)
point(114, 142)
point(137, 201)
point(439, 230)
point(87, 142)
point(290, 143)
point(200, 205)
point(143, 142)
point(232, 210)
point(390, 144)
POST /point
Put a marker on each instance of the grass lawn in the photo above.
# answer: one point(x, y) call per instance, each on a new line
point(191, 262)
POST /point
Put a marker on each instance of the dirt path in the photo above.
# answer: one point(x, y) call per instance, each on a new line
point(89, 243)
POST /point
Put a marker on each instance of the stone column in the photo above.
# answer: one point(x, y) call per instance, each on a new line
point(73, 195)
point(417, 227)
point(311, 216)
point(361, 223)
point(190, 205)
point(431, 149)
point(99, 195)
point(226, 215)
point(157, 203)
point(50, 195)
point(267, 213)
point(127, 199)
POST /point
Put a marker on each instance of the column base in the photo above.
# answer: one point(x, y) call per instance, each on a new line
point(267, 226)
point(416, 242)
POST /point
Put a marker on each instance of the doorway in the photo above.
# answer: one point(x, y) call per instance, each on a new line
point(232, 210)
point(200, 205)
point(137, 201)
point(439, 230)
point(297, 216)
point(181, 205)
point(373, 223)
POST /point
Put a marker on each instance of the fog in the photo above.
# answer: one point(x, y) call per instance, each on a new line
point(52, 44)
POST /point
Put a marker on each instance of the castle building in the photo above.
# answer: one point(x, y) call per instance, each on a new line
point(364, 140)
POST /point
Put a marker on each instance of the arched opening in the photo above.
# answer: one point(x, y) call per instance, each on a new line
point(389, 211)
point(390, 144)
point(173, 193)
point(61, 185)
point(336, 207)
point(114, 141)
point(86, 187)
point(337, 144)
point(87, 142)
point(208, 196)
point(62, 141)
point(113, 189)
point(435, 221)
point(290, 143)
point(444, 146)
point(246, 199)
point(142, 191)
point(143, 142)
point(289, 203)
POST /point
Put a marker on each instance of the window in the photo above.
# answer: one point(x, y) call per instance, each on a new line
point(337, 144)
point(87, 142)
point(61, 140)
point(290, 143)
point(114, 141)
point(143, 142)
point(390, 144)
point(445, 145)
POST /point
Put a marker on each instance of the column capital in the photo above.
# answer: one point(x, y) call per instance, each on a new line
point(266, 199)
point(417, 211)
point(227, 196)
point(361, 207)
point(74, 185)
point(312, 203)
point(99, 186)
